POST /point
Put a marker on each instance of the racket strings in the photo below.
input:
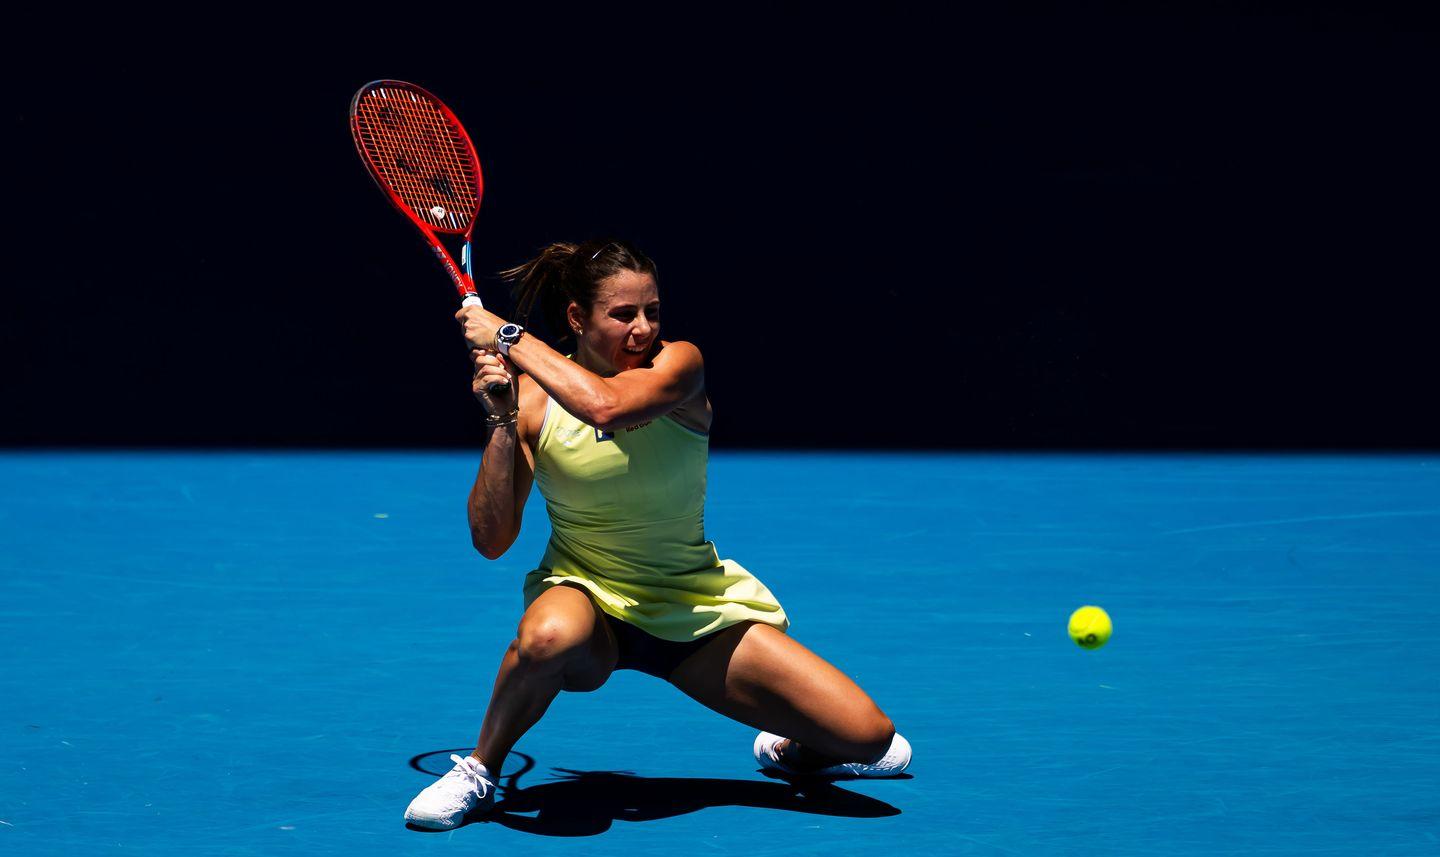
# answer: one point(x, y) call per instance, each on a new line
point(415, 152)
point(419, 154)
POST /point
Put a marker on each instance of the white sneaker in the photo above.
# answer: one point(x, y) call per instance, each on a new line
point(895, 760)
point(444, 803)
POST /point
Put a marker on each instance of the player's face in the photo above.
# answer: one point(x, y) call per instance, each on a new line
point(624, 322)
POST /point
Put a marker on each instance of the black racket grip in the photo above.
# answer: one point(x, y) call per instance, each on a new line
point(497, 387)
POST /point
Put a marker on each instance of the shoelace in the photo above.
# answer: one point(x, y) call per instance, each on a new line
point(462, 770)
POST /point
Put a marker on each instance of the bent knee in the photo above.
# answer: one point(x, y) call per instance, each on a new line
point(549, 641)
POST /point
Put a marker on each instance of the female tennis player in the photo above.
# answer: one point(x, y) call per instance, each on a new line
point(616, 438)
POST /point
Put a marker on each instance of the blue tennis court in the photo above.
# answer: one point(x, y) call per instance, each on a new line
point(271, 653)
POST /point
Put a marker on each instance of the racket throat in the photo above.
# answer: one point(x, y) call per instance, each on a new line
point(462, 279)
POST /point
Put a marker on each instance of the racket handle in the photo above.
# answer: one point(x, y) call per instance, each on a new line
point(498, 386)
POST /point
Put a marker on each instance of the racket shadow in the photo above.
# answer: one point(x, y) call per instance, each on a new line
point(588, 803)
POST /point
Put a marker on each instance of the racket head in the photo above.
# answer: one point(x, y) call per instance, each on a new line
point(419, 155)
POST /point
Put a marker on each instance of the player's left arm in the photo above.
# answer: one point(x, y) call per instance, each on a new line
point(675, 376)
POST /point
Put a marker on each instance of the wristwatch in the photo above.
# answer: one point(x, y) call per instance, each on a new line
point(506, 336)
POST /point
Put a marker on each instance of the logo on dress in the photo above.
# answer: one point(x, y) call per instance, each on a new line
point(567, 436)
point(610, 435)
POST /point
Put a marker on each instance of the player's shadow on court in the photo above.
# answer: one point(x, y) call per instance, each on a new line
point(586, 803)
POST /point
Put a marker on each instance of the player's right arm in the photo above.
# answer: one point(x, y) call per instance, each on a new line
point(507, 467)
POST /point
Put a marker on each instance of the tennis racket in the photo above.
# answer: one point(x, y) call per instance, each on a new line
point(423, 161)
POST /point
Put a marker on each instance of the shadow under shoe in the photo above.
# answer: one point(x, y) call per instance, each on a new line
point(586, 803)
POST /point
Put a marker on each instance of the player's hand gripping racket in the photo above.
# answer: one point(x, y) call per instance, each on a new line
point(423, 161)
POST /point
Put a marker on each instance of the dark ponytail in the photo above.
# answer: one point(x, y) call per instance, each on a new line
point(569, 272)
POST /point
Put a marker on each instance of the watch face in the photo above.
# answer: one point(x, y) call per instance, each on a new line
point(511, 331)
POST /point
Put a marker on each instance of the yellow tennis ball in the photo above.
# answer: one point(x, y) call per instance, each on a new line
point(1090, 627)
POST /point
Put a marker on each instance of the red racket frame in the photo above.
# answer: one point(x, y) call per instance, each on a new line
point(463, 279)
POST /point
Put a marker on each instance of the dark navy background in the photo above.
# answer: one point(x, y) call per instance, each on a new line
point(1094, 229)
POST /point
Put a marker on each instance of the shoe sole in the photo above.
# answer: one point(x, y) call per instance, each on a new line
point(430, 823)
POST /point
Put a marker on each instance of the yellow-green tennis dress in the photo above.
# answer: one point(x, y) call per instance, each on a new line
point(627, 518)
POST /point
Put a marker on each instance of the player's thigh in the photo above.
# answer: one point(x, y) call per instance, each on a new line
point(759, 676)
point(563, 631)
